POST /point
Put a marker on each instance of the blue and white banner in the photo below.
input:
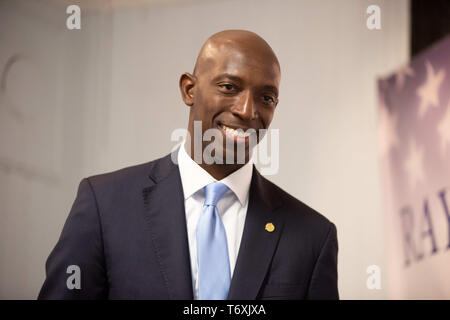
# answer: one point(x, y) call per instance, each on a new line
point(414, 142)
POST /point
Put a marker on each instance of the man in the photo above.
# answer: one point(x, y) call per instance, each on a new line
point(196, 229)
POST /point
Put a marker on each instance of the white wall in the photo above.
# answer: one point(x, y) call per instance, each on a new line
point(94, 100)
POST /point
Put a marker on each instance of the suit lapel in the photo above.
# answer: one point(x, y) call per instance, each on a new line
point(165, 216)
point(257, 245)
point(166, 219)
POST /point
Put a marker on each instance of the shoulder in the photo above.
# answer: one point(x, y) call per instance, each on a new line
point(296, 214)
point(127, 178)
point(122, 189)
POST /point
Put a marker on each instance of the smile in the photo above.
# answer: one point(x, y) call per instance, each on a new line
point(235, 134)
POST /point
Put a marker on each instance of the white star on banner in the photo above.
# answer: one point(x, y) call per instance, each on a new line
point(414, 164)
point(387, 134)
point(429, 91)
point(401, 74)
point(444, 129)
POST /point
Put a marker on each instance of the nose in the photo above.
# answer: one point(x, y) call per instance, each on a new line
point(245, 107)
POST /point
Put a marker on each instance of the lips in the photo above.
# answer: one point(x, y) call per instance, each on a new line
point(237, 134)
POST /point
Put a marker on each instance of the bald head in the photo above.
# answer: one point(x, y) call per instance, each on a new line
point(235, 86)
point(240, 44)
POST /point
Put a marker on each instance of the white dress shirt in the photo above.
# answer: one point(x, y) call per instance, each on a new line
point(232, 207)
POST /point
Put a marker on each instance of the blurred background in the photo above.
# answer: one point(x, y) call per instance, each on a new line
point(74, 103)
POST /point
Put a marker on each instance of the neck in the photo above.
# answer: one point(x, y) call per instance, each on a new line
point(218, 171)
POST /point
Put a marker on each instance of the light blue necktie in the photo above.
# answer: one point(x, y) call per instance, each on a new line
point(212, 250)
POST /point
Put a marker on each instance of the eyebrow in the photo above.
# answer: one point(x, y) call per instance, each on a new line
point(228, 76)
point(271, 88)
point(240, 80)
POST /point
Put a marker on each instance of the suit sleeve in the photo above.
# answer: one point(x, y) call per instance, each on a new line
point(76, 268)
point(323, 284)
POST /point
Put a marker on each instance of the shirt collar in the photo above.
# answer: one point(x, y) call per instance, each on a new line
point(194, 177)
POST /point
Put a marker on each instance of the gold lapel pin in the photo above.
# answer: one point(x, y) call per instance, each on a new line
point(270, 227)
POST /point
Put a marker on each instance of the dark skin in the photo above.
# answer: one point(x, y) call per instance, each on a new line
point(235, 83)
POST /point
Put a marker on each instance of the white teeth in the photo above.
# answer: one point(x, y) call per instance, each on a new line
point(237, 133)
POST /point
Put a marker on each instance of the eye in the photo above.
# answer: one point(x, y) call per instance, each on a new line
point(227, 86)
point(269, 99)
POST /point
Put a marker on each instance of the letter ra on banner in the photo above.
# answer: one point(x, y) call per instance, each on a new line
point(374, 20)
point(74, 280)
point(74, 20)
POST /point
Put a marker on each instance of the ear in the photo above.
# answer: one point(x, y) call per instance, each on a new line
point(187, 84)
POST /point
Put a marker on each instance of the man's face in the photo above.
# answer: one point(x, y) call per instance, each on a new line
point(235, 89)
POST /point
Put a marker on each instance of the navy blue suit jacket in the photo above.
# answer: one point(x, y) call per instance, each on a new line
point(127, 233)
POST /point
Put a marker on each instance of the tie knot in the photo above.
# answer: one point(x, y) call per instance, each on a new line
point(214, 192)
